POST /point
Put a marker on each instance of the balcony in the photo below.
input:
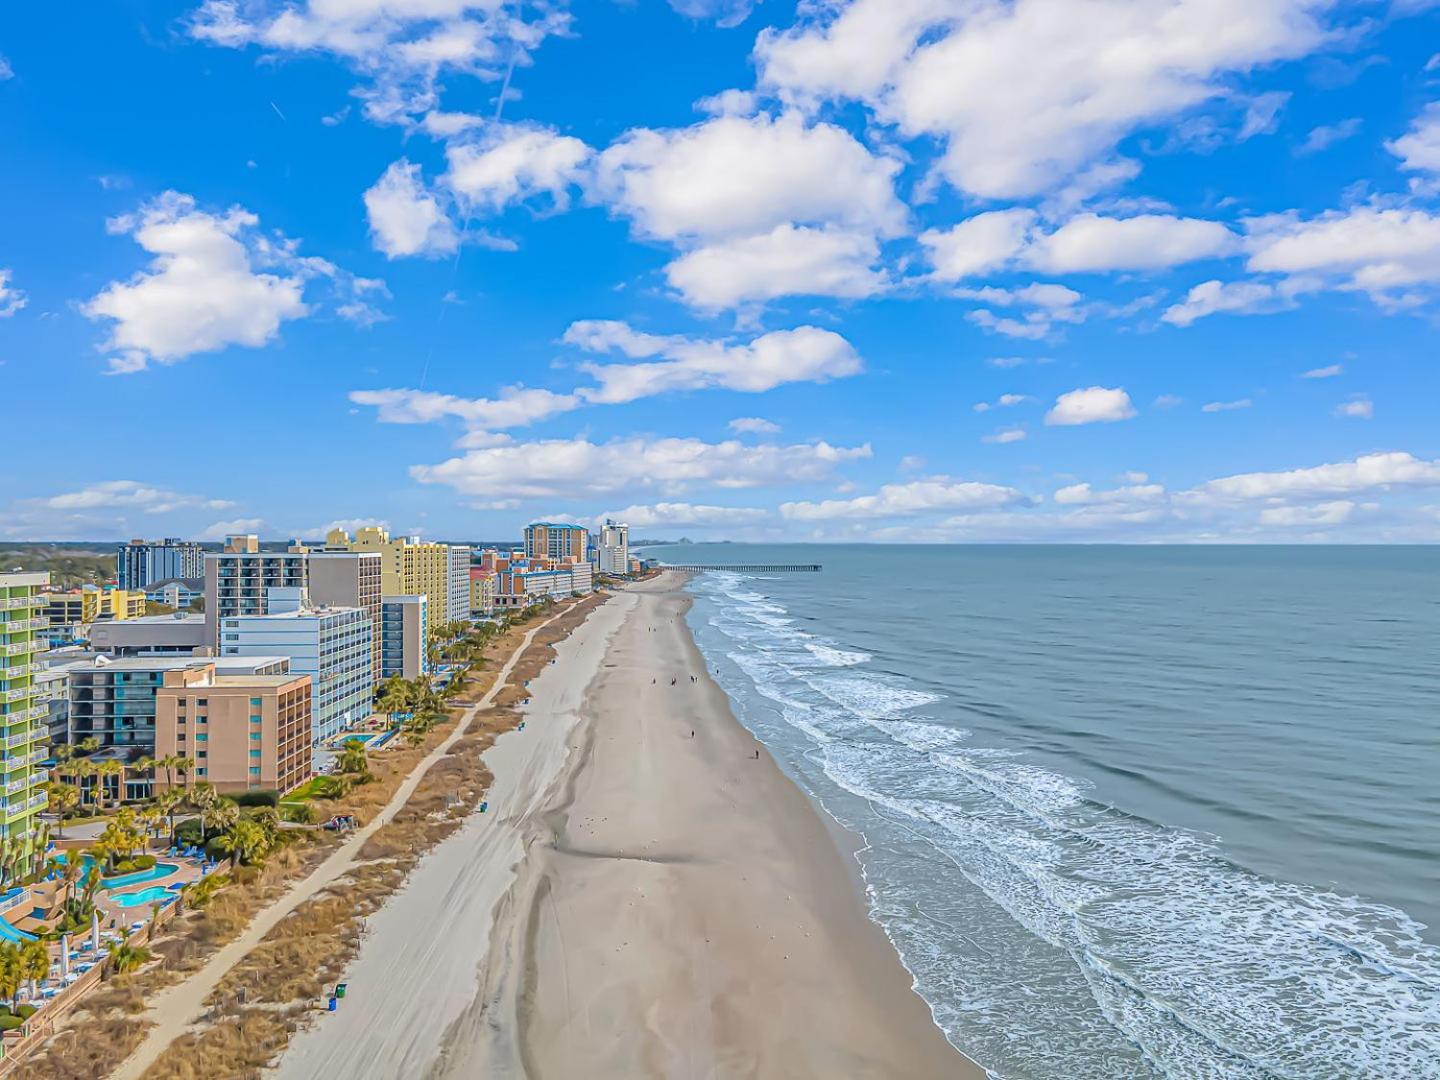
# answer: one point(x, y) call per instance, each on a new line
point(23, 716)
point(25, 738)
point(26, 780)
point(15, 671)
point(16, 602)
point(15, 808)
point(14, 626)
point(25, 760)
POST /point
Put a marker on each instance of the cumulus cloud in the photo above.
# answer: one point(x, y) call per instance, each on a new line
point(1329, 371)
point(401, 50)
point(574, 467)
point(1326, 513)
point(902, 500)
point(515, 162)
point(1375, 250)
point(11, 298)
point(129, 494)
point(742, 176)
point(405, 217)
point(1085, 495)
point(787, 261)
point(1232, 297)
point(967, 74)
point(1005, 435)
point(1378, 471)
point(1327, 135)
point(753, 425)
point(1226, 406)
point(1091, 405)
point(1419, 149)
point(1087, 243)
point(219, 530)
point(1004, 401)
point(1357, 408)
point(1039, 307)
point(672, 363)
point(213, 281)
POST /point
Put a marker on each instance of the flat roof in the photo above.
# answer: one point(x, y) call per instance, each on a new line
point(176, 619)
point(168, 663)
point(256, 680)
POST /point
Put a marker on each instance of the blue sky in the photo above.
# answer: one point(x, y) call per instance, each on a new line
point(915, 269)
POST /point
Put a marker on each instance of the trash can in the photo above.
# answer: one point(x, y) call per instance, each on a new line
point(332, 1002)
point(340, 989)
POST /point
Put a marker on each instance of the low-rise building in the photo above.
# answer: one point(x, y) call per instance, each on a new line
point(482, 591)
point(244, 732)
point(91, 604)
point(178, 634)
point(179, 593)
point(405, 638)
point(332, 645)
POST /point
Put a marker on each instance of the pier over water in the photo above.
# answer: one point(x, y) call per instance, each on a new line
point(748, 568)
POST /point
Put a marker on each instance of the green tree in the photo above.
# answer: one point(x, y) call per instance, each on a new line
point(247, 841)
point(11, 972)
point(126, 957)
point(34, 962)
point(354, 761)
point(63, 798)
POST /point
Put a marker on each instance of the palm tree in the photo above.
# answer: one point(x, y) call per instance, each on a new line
point(184, 765)
point(63, 797)
point(167, 802)
point(127, 957)
point(246, 840)
point(10, 971)
point(34, 963)
point(79, 770)
point(111, 768)
point(353, 760)
point(220, 816)
point(145, 763)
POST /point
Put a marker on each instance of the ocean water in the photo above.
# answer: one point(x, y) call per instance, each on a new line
point(1129, 812)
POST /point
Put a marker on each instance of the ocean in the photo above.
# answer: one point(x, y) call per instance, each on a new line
point(1128, 812)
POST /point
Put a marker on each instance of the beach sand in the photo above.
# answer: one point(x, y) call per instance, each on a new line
point(638, 902)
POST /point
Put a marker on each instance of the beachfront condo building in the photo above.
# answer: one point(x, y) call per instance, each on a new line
point(409, 566)
point(24, 720)
point(112, 699)
point(238, 581)
point(457, 597)
point(244, 732)
point(333, 645)
point(613, 549)
point(405, 638)
point(549, 540)
point(141, 562)
point(482, 591)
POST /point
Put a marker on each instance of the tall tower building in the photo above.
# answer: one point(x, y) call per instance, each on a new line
point(549, 540)
point(24, 720)
point(141, 562)
point(408, 567)
point(614, 548)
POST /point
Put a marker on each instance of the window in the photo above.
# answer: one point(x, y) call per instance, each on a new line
point(200, 771)
point(202, 737)
point(255, 735)
point(254, 753)
point(254, 771)
point(254, 719)
point(254, 704)
point(201, 754)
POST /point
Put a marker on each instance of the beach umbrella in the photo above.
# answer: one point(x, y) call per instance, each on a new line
point(64, 955)
point(95, 930)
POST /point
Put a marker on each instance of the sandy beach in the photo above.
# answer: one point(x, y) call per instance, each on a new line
point(645, 897)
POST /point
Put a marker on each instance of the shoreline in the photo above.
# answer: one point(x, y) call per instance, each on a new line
point(638, 902)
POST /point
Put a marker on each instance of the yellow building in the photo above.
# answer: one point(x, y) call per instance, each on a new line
point(409, 567)
point(90, 604)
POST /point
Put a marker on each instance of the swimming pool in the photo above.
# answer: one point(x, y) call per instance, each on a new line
point(154, 894)
point(124, 881)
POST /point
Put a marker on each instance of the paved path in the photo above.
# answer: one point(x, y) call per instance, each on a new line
point(174, 1009)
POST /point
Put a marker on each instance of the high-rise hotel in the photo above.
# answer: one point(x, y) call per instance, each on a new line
point(24, 712)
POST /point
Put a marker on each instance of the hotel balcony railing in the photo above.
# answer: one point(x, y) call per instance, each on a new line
point(25, 780)
point(21, 761)
point(18, 671)
point(14, 808)
point(24, 738)
point(16, 648)
point(22, 602)
point(14, 626)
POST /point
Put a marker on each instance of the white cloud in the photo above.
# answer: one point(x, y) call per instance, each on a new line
point(901, 500)
point(1025, 95)
point(402, 48)
point(214, 281)
point(1419, 149)
point(1004, 401)
point(738, 176)
point(787, 261)
point(1393, 469)
point(1327, 135)
point(805, 354)
point(221, 529)
point(754, 425)
point(1092, 405)
point(1366, 248)
point(6, 71)
point(1232, 297)
point(1005, 435)
point(725, 13)
point(1168, 401)
point(405, 217)
point(129, 494)
point(516, 406)
point(514, 163)
point(1326, 513)
point(1090, 243)
point(1359, 408)
point(679, 513)
point(1226, 406)
point(11, 298)
point(1087, 243)
point(1327, 372)
point(1042, 305)
point(574, 467)
point(1085, 495)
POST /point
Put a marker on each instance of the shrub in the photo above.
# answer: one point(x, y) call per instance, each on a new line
point(26, 1011)
point(189, 832)
point(299, 813)
point(215, 850)
point(131, 865)
point(256, 798)
point(10, 1023)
